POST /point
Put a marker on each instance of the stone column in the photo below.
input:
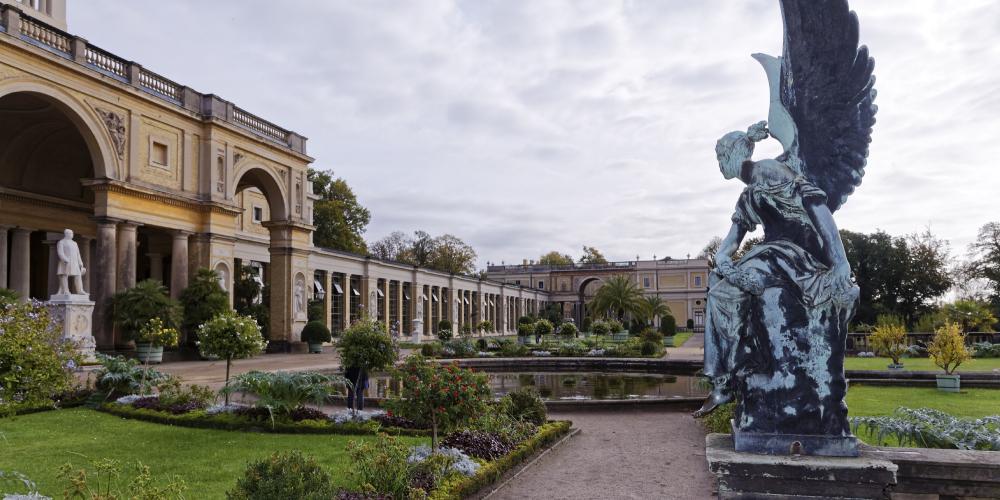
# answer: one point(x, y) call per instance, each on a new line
point(84, 243)
point(126, 255)
point(328, 299)
point(52, 279)
point(179, 263)
point(20, 262)
point(403, 327)
point(104, 279)
point(155, 266)
point(346, 285)
point(4, 231)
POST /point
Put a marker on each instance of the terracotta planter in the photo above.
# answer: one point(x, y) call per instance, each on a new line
point(149, 353)
point(315, 348)
point(949, 383)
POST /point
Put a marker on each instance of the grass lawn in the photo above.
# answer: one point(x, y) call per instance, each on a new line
point(681, 337)
point(876, 400)
point(209, 461)
point(920, 364)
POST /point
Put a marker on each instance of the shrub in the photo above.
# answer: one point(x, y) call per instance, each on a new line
point(155, 333)
point(929, 428)
point(444, 325)
point(544, 327)
point(523, 320)
point(690, 324)
point(588, 322)
point(600, 328)
point(202, 300)
point(947, 349)
point(889, 338)
point(174, 396)
point(571, 349)
point(486, 326)
point(985, 350)
point(651, 335)
point(380, 466)
point(441, 396)
point(119, 376)
point(615, 326)
point(284, 475)
point(315, 332)
point(466, 330)
point(525, 329)
point(7, 296)
point(525, 404)
point(482, 344)
point(718, 420)
point(458, 348)
point(445, 335)
point(230, 336)
point(35, 363)
point(649, 348)
point(513, 350)
point(497, 420)
point(147, 300)
point(568, 329)
point(478, 444)
point(101, 481)
point(635, 327)
point(282, 392)
point(668, 326)
point(367, 346)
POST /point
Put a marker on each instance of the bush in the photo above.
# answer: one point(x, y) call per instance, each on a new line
point(497, 420)
point(482, 344)
point(649, 348)
point(430, 350)
point(544, 327)
point(316, 332)
point(458, 348)
point(442, 396)
point(635, 327)
point(367, 346)
point(571, 349)
point(444, 325)
point(985, 350)
point(568, 329)
point(525, 404)
point(523, 320)
point(230, 336)
point(651, 335)
point(478, 444)
point(177, 398)
point(119, 376)
point(282, 392)
point(615, 326)
point(947, 349)
point(587, 324)
point(690, 324)
point(284, 475)
point(600, 328)
point(35, 363)
point(157, 334)
point(927, 428)
point(889, 338)
point(668, 326)
point(525, 329)
point(513, 350)
point(99, 481)
point(202, 300)
point(132, 309)
point(719, 420)
point(445, 335)
point(380, 466)
point(466, 330)
point(486, 326)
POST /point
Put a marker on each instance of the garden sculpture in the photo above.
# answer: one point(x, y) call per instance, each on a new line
point(70, 265)
point(776, 326)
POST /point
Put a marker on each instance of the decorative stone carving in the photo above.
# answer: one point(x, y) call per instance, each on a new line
point(299, 298)
point(73, 314)
point(237, 157)
point(115, 124)
point(776, 319)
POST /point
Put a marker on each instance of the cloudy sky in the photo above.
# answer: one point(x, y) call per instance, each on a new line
point(524, 126)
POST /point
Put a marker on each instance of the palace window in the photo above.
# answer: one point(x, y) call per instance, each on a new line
point(258, 214)
point(541, 285)
point(697, 281)
point(159, 154)
point(645, 282)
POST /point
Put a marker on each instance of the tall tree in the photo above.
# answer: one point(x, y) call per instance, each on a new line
point(618, 296)
point(422, 249)
point(711, 248)
point(396, 246)
point(985, 261)
point(339, 218)
point(452, 255)
point(592, 256)
point(654, 307)
point(555, 258)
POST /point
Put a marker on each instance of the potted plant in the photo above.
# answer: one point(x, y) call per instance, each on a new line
point(668, 327)
point(203, 299)
point(132, 309)
point(948, 351)
point(315, 333)
point(543, 327)
point(230, 336)
point(600, 327)
point(568, 330)
point(525, 332)
point(889, 339)
point(151, 340)
point(617, 329)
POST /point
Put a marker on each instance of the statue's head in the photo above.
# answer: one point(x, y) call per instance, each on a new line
point(68, 234)
point(735, 148)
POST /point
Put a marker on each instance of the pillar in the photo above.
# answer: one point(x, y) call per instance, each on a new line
point(20, 262)
point(328, 300)
point(346, 317)
point(4, 232)
point(399, 308)
point(104, 279)
point(52, 279)
point(84, 243)
point(126, 255)
point(179, 263)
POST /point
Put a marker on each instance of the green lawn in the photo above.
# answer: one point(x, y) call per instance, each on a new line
point(208, 460)
point(681, 337)
point(876, 400)
point(920, 364)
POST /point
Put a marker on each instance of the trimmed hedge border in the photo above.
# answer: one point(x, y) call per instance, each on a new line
point(199, 420)
point(39, 409)
point(490, 472)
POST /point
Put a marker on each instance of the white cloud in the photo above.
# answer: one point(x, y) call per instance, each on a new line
point(524, 126)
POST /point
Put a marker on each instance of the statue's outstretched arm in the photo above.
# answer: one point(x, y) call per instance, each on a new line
point(832, 244)
point(730, 244)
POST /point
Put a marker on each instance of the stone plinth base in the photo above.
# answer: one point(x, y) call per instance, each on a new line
point(75, 314)
point(418, 328)
point(753, 476)
point(795, 444)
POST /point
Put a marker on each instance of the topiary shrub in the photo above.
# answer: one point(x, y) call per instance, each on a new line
point(947, 349)
point(615, 326)
point(525, 404)
point(525, 329)
point(649, 348)
point(315, 332)
point(690, 324)
point(651, 335)
point(367, 346)
point(523, 320)
point(600, 328)
point(444, 325)
point(889, 338)
point(568, 330)
point(588, 322)
point(132, 309)
point(544, 327)
point(284, 475)
point(445, 335)
point(202, 300)
point(230, 336)
point(668, 326)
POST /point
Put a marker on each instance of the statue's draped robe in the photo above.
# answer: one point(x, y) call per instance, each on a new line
point(780, 346)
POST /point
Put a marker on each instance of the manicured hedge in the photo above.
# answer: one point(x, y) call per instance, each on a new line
point(27, 410)
point(491, 472)
point(198, 419)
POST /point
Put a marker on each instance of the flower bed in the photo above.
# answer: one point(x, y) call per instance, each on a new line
point(251, 419)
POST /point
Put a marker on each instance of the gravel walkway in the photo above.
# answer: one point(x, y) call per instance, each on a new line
point(640, 454)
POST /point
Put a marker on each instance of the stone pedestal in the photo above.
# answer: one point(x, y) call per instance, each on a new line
point(418, 330)
point(754, 476)
point(74, 314)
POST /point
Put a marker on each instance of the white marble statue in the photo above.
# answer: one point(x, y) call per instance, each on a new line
point(70, 265)
point(300, 296)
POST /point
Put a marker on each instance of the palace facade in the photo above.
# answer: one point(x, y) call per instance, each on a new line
point(159, 180)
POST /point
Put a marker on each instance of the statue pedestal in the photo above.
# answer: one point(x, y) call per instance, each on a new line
point(754, 476)
point(418, 329)
point(74, 314)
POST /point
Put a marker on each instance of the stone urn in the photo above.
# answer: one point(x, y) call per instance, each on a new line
point(949, 383)
point(149, 353)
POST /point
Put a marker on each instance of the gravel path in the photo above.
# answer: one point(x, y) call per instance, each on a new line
point(640, 454)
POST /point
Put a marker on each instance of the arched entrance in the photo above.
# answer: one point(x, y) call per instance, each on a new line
point(588, 287)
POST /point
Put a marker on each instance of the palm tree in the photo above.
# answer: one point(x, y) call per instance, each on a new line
point(618, 296)
point(654, 307)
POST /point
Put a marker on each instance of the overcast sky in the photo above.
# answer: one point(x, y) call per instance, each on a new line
point(524, 126)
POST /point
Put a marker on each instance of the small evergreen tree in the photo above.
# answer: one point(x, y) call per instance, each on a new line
point(202, 300)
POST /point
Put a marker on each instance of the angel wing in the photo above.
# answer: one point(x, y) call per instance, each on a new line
point(827, 88)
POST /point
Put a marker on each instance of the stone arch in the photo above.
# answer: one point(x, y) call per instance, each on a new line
point(581, 305)
point(258, 176)
point(87, 122)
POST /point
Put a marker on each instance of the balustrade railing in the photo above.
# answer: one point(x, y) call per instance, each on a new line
point(45, 34)
point(106, 61)
point(259, 125)
point(159, 84)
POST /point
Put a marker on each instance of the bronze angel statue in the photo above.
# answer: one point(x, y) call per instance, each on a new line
point(777, 318)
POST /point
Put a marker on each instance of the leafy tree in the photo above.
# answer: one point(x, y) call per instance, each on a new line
point(246, 291)
point(422, 249)
point(230, 336)
point(947, 350)
point(711, 248)
point(654, 307)
point(367, 346)
point(202, 300)
point(555, 258)
point(618, 296)
point(592, 255)
point(452, 255)
point(396, 247)
point(985, 261)
point(339, 219)
point(972, 316)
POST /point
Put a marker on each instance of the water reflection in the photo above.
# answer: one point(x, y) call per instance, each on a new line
point(577, 386)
